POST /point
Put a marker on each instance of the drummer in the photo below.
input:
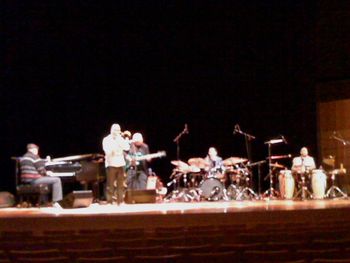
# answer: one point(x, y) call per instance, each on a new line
point(215, 168)
point(303, 163)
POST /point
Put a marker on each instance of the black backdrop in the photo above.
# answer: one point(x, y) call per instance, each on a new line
point(71, 69)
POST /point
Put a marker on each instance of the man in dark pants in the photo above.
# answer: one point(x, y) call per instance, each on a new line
point(114, 146)
point(137, 170)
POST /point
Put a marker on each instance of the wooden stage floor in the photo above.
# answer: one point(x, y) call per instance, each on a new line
point(174, 214)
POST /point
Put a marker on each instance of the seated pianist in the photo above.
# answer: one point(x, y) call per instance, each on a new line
point(33, 172)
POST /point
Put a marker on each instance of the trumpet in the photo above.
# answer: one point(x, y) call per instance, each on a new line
point(126, 134)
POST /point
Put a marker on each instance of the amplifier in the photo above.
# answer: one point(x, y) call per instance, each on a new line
point(140, 196)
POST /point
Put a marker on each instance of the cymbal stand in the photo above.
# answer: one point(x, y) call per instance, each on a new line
point(258, 164)
point(178, 194)
point(303, 192)
point(271, 193)
point(334, 190)
point(247, 190)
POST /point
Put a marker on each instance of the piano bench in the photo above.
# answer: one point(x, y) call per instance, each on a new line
point(36, 195)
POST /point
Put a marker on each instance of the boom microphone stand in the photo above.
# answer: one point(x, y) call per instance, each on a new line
point(248, 138)
point(176, 194)
point(177, 141)
point(271, 193)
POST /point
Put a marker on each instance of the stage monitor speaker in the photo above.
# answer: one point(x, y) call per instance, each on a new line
point(77, 199)
point(140, 196)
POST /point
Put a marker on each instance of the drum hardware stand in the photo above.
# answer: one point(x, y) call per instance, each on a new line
point(304, 192)
point(247, 190)
point(248, 138)
point(271, 193)
point(185, 194)
point(258, 164)
point(334, 190)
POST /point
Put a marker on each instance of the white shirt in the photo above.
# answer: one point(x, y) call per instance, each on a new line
point(301, 164)
point(114, 150)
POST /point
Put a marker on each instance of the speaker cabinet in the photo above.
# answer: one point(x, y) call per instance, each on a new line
point(77, 199)
point(140, 196)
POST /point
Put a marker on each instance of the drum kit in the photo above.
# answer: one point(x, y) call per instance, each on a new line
point(231, 180)
point(197, 180)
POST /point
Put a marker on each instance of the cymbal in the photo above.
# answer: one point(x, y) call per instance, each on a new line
point(198, 162)
point(329, 160)
point(234, 160)
point(179, 163)
point(193, 169)
point(277, 165)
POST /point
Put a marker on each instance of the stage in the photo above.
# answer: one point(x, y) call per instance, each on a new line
point(175, 214)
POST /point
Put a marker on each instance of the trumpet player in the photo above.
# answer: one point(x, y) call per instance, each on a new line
point(114, 146)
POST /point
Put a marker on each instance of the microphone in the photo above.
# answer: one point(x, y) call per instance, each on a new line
point(284, 139)
point(186, 129)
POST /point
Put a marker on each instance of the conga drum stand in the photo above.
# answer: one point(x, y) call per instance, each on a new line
point(303, 192)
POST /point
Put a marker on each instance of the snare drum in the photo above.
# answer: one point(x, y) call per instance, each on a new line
point(318, 183)
point(287, 184)
point(212, 189)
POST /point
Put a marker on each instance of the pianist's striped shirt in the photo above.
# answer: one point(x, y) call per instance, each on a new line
point(32, 167)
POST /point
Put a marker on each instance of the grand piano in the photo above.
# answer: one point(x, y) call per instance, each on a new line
point(87, 169)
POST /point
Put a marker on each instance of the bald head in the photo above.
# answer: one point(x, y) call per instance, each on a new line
point(115, 129)
point(304, 152)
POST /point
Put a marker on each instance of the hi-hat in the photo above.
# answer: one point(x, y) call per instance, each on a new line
point(234, 160)
point(198, 162)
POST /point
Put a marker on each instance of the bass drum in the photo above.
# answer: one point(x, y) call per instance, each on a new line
point(212, 189)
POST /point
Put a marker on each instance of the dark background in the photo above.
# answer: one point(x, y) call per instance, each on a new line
point(72, 68)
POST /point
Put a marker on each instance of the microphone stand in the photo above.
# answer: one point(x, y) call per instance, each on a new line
point(176, 194)
point(177, 141)
point(247, 138)
point(333, 190)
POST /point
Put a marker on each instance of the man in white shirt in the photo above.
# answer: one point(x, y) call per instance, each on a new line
point(304, 162)
point(114, 146)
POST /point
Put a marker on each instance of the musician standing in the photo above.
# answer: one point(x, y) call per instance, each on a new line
point(33, 171)
point(114, 146)
point(137, 170)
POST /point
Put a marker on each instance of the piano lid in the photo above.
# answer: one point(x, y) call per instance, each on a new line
point(81, 157)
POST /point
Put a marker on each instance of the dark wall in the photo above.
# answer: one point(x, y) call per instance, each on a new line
point(71, 69)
